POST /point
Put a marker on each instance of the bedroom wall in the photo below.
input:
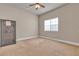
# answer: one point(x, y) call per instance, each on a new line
point(68, 23)
point(26, 23)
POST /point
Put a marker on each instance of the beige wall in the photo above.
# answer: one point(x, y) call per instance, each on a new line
point(68, 23)
point(26, 23)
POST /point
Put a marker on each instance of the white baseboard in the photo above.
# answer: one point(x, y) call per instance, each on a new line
point(25, 38)
point(63, 41)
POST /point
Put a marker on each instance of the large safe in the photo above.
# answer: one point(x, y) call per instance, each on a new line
point(7, 32)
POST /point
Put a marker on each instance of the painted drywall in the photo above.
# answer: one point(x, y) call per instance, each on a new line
point(68, 23)
point(26, 23)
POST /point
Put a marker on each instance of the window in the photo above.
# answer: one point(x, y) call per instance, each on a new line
point(51, 24)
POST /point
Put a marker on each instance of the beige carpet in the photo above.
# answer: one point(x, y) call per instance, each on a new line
point(39, 47)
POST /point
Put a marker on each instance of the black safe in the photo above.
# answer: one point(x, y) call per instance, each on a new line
point(7, 32)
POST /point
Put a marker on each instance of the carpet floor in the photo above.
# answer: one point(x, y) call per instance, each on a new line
point(39, 47)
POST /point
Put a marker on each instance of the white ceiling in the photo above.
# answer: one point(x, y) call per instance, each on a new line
point(48, 7)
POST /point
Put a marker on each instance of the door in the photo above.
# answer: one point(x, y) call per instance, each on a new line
point(0, 32)
point(8, 32)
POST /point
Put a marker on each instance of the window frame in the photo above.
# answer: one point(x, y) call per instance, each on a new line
point(56, 30)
